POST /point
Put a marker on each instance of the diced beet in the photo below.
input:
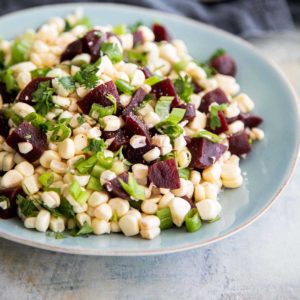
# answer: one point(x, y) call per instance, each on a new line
point(160, 33)
point(166, 88)
point(250, 120)
point(99, 95)
point(197, 88)
point(232, 119)
point(188, 139)
point(4, 127)
point(189, 200)
point(25, 132)
point(135, 155)
point(114, 187)
point(6, 96)
point(92, 43)
point(30, 88)
point(204, 153)
point(134, 125)
point(216, 95)
point(73, 49)
point(136, 99)
point(164, 174)
point(224, 64)
point(138, 38)
point(239, 143)
point(11, 194)
point(146, 72)
point(223, 124)
point(120, 139)
point(190, 112)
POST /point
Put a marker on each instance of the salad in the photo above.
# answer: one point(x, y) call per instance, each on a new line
point(108, 129)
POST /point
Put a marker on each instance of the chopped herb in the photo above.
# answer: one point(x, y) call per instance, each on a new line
point(136, 57)
point(84, 230)
point(87, 75)
point(85, 166)
point(56, 235)
point(80, 120)
point(214, 120)
point(162, 107)
point(42, 72)
point(66, 208)
point(46, 179)
point(208, 135)
point(192, 220)
point(172, 130)
point(94, 184)
point(184, 173)
point(124, 86)
point(135, 26)
point(98, 111)
point(165, 218)
point(67, 82)
point(20, 51)
point(27, 206)
point(168, 156)
point(43, 98)
point(54, 212)
point(38, 121)
point(210, 71)
point(132, 188)
point(113, 100)
point(180, 65)
point(113, 51)
point(105, 162)
point(60, 133)
point(7, 77)
point(153, 80)
point(75, 189)
point(10, 114)
point(95, 146)
point(217, 53)
point(184, 88)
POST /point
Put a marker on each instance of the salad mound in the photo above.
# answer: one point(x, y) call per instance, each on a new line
point(117, 129)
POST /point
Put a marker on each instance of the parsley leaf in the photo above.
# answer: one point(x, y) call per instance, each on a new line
point(67, 82)
point(43, 98)
point(95, 146)
point(214, 120)
point(66, 209)
point(137, 57)
point(184, 88)
point(113, 51)
point(132, 188)
point(27, 206)
point(84, 230)
point(87, 75)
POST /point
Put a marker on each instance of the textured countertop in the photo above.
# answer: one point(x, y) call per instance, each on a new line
point(260, 262)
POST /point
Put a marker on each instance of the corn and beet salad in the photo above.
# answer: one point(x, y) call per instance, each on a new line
point(108, 129)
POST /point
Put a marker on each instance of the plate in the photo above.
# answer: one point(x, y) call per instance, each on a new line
point(268, 167)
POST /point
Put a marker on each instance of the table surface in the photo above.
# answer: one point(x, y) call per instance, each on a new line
point(260, 262)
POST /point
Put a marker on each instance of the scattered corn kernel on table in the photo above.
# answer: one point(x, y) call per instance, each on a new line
point(261, 262)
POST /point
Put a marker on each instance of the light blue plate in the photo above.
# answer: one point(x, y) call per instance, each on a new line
point(268, 167)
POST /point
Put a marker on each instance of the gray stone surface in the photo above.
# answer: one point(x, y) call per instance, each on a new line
point(261, 262)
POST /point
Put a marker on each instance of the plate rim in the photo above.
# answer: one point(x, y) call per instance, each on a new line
point(190, 246)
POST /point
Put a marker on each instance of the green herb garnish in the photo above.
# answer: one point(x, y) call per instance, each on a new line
point(27, 206)
point(112, 51)
point(67, 82)
point(184, 88)
point(95, 145)
point(162, 107)
point(42, 72)
point(43, 98)
point(46, 179)
point(208, 135)
point(87, 76)
point(132, 188)
point(214, 120)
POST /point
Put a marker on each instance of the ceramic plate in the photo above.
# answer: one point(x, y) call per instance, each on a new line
point(267, 168)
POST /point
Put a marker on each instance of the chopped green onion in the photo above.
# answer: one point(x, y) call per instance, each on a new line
point(184, 173)
point(162, 106)
point(153, 80)
point(97, 170)
point(113, 51)
point(10, 114)
point(98, 111)
point(60, 133)
point(180, 65)
point(113, 100)
point(175, 116)
point(46, 179)
point(84, 166)
point(119, 29)
point(207, 135)
point(7, 77)
point(165, 218)
point(42, 72)
point(192, 220)
point(66, 209)
point(214, 120)
point(75, 189)
point(124, 86)
point(105, 162)
point(83, 197)
point(132, 188)
point(136, 57)
point(20, 51)
point(27, 206)
point(94, 184)
point(53, 189)
point(95, 145)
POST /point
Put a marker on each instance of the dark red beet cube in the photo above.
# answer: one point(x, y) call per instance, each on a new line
point(190, 112)
point(134, 125)
point(189, 200)
point(6, 96)
point(239, 143)
point(30, 88)
point(114, 187)
point(4, 127)
point(73, 49)
point(120, 139)
point(223, 124)
point(250, 120)
point(204, 153)
point(164, 174)
point(11, 194)
point(197, 88)
point(138, 38)
point(25, 132)
point(224, 64)
point(135, 155)
point(146, 72)
point(166, 88)
point(136, 99)
point(99, 95)
point(216, 95)
point(92, 43)
point(160, 33)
